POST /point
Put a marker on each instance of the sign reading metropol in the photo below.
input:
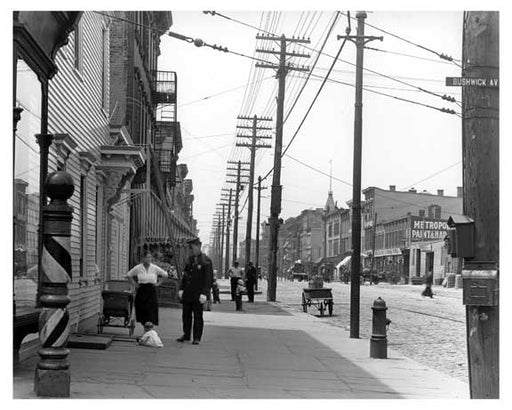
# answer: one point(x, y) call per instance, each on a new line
point(426, 229)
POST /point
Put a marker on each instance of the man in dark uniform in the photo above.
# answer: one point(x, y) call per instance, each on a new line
point(250, 281)
point(194, 289)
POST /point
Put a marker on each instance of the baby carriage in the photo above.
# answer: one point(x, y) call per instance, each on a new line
point(118, 299)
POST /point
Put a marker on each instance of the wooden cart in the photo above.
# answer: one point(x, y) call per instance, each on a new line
point(319, 297)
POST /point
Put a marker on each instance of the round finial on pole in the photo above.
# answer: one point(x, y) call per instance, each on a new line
point(59, 186)
point(361, 14)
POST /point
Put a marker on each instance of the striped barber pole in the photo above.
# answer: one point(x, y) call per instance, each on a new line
point(52, 373)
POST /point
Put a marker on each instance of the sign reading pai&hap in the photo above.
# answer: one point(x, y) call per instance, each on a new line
point(427, 229)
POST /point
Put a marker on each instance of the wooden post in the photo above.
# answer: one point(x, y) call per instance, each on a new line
point(480, 146)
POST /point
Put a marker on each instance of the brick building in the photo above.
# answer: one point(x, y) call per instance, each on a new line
point(409, 233)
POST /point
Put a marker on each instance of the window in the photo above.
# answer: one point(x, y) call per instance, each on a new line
point(83, 222)
point(26, 187)
point(336, 228)
point(336, 247)
point(330, 230)
point(421, 213)
point(78, 47)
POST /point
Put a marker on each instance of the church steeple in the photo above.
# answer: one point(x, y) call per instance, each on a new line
point(330, 205)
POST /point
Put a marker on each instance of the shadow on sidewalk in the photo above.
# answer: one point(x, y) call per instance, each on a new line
point(231, 362)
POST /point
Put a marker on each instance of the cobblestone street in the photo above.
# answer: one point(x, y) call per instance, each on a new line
point(430, 331)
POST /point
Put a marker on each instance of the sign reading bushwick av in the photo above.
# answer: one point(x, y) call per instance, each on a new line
point(471, 82)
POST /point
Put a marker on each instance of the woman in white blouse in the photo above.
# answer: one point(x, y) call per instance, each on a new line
point(146, 277)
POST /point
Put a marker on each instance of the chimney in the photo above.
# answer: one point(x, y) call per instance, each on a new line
point(413, 190)
point(440, 192)
point(392, 188)
point(460, 192)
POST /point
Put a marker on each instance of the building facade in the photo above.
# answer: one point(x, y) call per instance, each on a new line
point(34, 69)
point(143, 108)
point(407, 240)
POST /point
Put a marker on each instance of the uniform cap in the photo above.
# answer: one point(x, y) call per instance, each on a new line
point(194, 241)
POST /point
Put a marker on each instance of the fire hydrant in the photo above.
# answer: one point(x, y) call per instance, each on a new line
point(379, 339)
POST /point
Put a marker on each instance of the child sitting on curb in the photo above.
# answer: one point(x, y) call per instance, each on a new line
point(150, 337)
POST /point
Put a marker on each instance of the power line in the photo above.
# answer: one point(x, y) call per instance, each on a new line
point(219, 93)
point(433, 175)
point(440, 55)
point(407, 55)
point(311, 105)
point(445, 110)
point(335, 19)
point(349, 184)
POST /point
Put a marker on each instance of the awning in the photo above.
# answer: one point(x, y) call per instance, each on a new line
point(345, 262)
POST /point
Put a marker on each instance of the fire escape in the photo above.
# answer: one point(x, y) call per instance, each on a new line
point(168, 141)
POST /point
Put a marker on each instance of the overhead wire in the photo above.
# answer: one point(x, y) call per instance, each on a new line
point(444, 110)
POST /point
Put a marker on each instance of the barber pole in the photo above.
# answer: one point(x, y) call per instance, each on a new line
point(52, 377)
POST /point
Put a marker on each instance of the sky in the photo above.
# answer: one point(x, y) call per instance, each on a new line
point(403, 143)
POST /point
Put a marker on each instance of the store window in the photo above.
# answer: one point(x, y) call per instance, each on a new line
point(26, 187)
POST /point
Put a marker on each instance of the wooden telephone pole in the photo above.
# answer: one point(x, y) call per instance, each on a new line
point(258, 214)
point(480, 146)
point(252, 146)
point(275, 202)
point(222, 228)
point(228, 225)
point(360, 41)
point(237, 200)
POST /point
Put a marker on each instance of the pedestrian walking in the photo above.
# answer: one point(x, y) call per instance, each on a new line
point(235, 273)
point(194, 289)
point(429, 279)
point(146, 277)
point(250, 281)
point(215, 291)
point(239, 291)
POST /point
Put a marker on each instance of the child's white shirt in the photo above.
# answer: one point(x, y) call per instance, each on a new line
point(150, 338)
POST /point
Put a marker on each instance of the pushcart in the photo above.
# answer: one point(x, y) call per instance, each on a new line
point(118, 299)
point(319, 297)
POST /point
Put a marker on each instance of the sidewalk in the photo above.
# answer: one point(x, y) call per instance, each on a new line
point(267, 352)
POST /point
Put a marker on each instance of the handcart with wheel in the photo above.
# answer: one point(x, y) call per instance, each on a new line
point(118, 299)
point(319, 297)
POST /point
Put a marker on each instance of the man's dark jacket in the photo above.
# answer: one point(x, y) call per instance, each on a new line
point(197, 278)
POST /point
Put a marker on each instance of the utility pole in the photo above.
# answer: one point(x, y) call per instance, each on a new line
point(237, 200)
point(218, 254)
point(252, 146)
point(275, 202)
point(222, 238)
point(480, 148)
point(228, 224)
point(360, 41)
point(374, 237)
point(257, 258)
point(221, 208)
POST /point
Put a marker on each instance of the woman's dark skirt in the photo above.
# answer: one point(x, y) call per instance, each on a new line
point(146, 304)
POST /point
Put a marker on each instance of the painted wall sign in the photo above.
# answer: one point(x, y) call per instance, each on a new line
point(427, 229)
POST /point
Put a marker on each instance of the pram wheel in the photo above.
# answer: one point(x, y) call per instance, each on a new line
point(131, 327)
point(101, 322)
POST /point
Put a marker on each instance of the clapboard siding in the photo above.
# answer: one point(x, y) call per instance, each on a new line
point(76, 108)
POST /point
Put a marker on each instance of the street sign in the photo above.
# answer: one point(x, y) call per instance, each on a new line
point(471, 82)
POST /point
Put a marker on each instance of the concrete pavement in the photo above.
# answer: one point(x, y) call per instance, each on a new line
point(268, 351)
